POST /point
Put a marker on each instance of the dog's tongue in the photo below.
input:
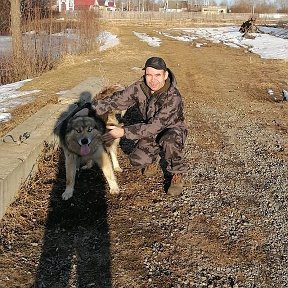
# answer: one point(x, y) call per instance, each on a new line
point(84, 150)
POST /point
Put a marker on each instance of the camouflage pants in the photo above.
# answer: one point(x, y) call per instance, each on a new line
point(170, 142)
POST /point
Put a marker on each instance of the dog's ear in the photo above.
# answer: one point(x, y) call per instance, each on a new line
point(68, 125)
point(82, 112)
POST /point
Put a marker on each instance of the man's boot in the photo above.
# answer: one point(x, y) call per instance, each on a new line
point(152, 169)
point(176, 185)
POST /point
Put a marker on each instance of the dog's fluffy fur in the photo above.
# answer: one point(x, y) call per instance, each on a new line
point(81, 141)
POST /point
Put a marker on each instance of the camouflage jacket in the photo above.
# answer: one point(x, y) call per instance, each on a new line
point(161, 110)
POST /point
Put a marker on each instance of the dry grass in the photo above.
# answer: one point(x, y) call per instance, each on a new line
point(40, 50)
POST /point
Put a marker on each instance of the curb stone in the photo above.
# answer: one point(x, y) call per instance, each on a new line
point(18, 160)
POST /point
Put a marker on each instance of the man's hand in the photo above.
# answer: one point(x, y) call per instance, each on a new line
point(114, 133)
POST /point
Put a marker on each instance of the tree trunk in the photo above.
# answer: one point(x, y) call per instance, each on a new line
point(16, 28)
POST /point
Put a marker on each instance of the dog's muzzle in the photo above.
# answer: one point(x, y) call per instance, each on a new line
point(84, 141)
point(84, 146)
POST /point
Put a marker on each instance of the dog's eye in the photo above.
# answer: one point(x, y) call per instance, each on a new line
point(90, 129)
point(78, 130)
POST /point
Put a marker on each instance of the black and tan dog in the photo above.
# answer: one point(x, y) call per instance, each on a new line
point(81, 141)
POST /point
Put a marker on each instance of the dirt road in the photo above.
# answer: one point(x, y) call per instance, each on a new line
point(228, 229)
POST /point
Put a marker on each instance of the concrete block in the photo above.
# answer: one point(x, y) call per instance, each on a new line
point(18, 160)
point(83, 92)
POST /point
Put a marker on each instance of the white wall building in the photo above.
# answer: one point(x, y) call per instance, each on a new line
point(65, 5)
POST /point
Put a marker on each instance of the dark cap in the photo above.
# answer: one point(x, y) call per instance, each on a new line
point(156, 63)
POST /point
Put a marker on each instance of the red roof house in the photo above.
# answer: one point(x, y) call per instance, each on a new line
point(84, 4)
point(108, 5)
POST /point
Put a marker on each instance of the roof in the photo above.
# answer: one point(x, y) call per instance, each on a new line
point(84, 2)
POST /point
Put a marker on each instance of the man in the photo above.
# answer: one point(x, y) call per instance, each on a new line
point(162, 129)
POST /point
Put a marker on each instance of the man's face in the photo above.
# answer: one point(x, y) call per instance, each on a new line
point(155, 79)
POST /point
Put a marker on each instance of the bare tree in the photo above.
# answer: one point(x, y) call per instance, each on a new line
point(4, 16)
point(224, 3)
point(254, 6)
point(283, 6)
point(242, 6)
point(16, 28)
point(264, 6)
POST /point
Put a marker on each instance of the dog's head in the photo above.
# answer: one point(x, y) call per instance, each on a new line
point(83, 134)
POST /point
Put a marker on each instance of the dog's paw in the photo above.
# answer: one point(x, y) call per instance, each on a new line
point(88, 165)
point(114, 190)
point(118, 169)
point(67, 194)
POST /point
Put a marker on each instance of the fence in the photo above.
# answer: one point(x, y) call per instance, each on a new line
point(196, 17)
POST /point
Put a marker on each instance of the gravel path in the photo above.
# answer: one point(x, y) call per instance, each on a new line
point(228, 229)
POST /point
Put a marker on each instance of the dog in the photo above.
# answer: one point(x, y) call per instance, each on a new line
point(81, 140)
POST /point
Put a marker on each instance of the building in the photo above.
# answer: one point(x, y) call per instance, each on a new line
point(108, 5)
point(65, 5)
point(74, 5)
point(175, 6)
point(214, 9)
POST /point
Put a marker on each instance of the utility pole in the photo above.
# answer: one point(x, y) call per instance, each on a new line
point(253, 7)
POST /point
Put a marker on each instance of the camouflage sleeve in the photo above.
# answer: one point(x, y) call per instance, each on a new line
point(121, 100)
point(169, 115)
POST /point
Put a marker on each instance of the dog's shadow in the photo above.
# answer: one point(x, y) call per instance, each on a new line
point(76, 244)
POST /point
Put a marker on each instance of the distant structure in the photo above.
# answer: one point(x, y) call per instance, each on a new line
point(73, 5)
point(108, 5)
point(175, 6)
point(65, 5)
point(192, 6)
point(214, 9)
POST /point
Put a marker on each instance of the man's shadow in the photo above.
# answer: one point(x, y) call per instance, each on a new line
point(76, 244)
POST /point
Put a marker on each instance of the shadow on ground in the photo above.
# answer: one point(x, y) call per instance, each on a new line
point(76, 246)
